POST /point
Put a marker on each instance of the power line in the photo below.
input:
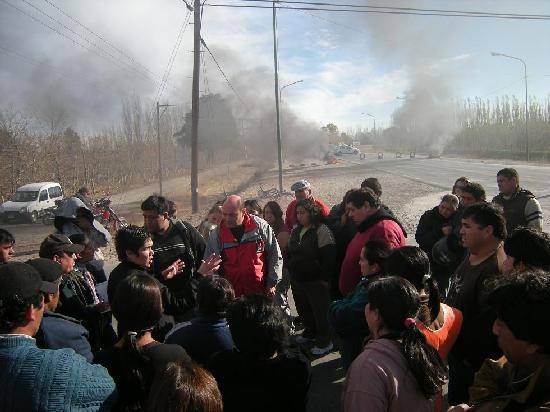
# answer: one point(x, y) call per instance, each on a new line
point(364, 6)
point(84, 38)
point(391, 12)
point(100, 37)
point(114, 61)
point(175, 49)
point(40, 64)
point(222, 72)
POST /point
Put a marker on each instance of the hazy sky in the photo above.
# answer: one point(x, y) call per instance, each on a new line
point(349, 63)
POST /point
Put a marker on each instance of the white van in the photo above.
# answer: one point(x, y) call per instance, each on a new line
point(30, 201)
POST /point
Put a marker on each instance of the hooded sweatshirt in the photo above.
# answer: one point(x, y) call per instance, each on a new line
point(380, 380)
point(382, 225)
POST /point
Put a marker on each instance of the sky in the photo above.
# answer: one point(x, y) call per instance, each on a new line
point(356, 69)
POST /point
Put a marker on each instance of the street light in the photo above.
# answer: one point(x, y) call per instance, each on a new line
point(373, 122)
point(281, 101)
point(526, 99)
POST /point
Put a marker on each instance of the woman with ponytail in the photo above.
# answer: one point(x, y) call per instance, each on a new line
point(136, 357)
point(398, 370)
point(440, 323)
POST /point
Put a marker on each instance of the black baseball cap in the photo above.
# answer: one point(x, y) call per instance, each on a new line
point(56, 243)
point(22, 280)
point(49, 271)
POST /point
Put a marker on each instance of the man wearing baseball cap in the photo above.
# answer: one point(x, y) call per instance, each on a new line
point(302, 190)
point(34, 379)
point(78, 297)
point(58, 331)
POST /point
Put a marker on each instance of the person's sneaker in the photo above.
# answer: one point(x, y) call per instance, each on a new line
point(321, 351)
point(300, 339)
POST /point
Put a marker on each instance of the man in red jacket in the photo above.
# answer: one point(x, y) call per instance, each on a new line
point(251, 257)
point(302, 190)
point(373, 223)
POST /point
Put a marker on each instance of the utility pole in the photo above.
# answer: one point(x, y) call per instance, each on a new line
point(158, 140)
point(276, 62)
point(195, 108)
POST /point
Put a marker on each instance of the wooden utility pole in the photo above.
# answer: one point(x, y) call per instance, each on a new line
point(195, 108)
point(276, 63)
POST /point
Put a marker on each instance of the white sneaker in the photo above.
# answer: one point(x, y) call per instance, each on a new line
point(302, 339)
point(321, 351)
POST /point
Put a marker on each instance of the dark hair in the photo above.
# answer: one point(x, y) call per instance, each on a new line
point(522, 302)
point(487, 214)
point(137, 307)
point(413, 264)
point(257, 326)
point(159, 204)
point(476, 190)
point(396, 299)
point(180, 388)
point(358, 197)
point(530, 247)
point(79, 239)
point(509, 173)
point(277, 212)
point(373, 184)
point(6, 237)
point(13, 311)
point(83, 190)
point(315, 215)
point(254, 205)
point(214, 295)
point(172, 209)
point(376, 251)
point(461, 179)
point(130, 238)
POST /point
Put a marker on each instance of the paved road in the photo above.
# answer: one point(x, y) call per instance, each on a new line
point(443, 172)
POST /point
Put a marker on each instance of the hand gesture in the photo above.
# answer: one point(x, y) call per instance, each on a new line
point(174, 269)
point(210, 265)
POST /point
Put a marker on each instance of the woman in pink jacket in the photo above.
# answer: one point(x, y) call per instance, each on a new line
point(398, 370)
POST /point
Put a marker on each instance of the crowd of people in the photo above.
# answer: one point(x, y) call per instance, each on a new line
point(198, 319)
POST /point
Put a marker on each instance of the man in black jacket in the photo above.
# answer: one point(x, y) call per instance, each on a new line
point(178, 248)
point(520, 206)
point(435, 224)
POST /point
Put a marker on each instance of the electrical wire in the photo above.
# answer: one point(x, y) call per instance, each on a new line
point(175, 50)
point(223, 74)
point(391, 12)
point(102, 38)
point(114, 61)
point(364, 6)
point(40, 64)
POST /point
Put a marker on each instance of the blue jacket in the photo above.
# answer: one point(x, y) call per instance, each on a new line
point(202, 337)
point(347, 316)
point(58, 331)
point(33, 379)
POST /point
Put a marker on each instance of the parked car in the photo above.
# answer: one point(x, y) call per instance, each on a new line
point(31, 201)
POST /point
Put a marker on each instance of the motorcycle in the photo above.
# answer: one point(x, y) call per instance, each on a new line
point(104, 214)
